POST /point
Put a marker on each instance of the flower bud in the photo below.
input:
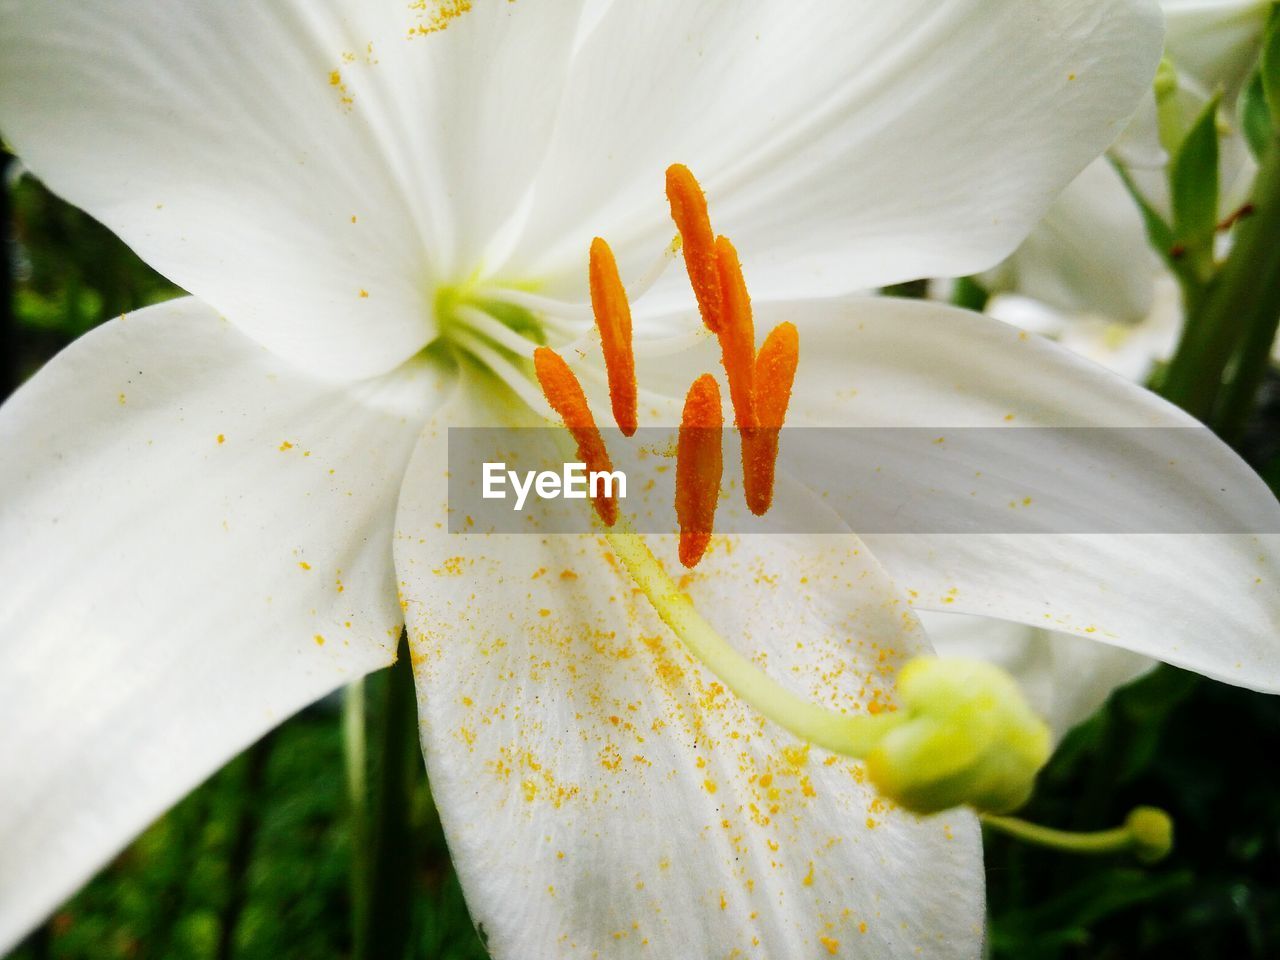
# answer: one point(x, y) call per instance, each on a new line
point(965, 735)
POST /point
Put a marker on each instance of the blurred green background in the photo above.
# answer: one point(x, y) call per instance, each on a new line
point(256, 863)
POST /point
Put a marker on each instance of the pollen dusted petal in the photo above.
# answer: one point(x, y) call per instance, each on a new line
point(564, 393)
point(613, 318)
point(737, 334)
point(775, 375)
point(699, 468)
point(570, 740)
point(689, 211)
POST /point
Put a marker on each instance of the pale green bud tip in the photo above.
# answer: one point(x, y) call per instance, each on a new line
point(1151, 830)
point(1166, 82)
point(965, 735)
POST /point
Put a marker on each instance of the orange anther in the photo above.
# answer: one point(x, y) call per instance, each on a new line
point(613, 318)
point(564, 393)
point(689, 211)
point(699, 467)
point(775, 374)
point(737, 334)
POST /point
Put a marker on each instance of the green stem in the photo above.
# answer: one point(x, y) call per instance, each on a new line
point(852, 736)
point(386, 932)
point(8, 320)
point(1234, 304)
point(355, 750)
point(1253, 359)
point(1102, 841)
point(251, 795)
point(1147, 833)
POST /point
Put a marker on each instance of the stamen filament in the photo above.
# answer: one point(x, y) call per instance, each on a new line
point(489, 327)
point(689, 211)
point(656, 269)
point(1147, 832)
point(658, 347)
point(564, 393)
point(613, 318)
point(551, 312)
point(852, 736)
point(699, 468)
point(501, 366)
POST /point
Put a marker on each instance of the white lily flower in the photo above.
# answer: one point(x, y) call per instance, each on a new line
point(1215, 41)
point(198, 513)
point(1090, 254)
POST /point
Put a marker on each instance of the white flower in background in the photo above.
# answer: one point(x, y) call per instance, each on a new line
point(199, 501)
point(1215, 41)
point(1087, 276)
point(1090, 256)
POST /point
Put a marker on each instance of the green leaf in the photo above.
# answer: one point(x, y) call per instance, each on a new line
point(1162, 239)
point(1193, 184)
point(1065, 920)
point(1255, 116)
point(1269, 64)
point(1158, 231)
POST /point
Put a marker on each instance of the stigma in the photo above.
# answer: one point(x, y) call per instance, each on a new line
point(759, 381)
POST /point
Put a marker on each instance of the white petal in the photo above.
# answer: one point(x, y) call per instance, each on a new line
point(1215, 40)
point(604, 796)
point(1090, 252)
point(1066, 678)
point(183, 518)
point(1205, 601)
point(843, 146)
point(310, 169)
point(1130, 350)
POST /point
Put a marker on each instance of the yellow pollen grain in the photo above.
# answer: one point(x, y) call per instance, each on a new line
point(452, 567)
point(709, 785)
point(544, 612)
point(832, 944)
point(862, 926)
point(222, 438)
point(319, 640)
point(335, 78)
point(304, 565)
point(285, 445)
point(796, 756)
point(808, 877)
point(364, 294)
point(438, 14)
